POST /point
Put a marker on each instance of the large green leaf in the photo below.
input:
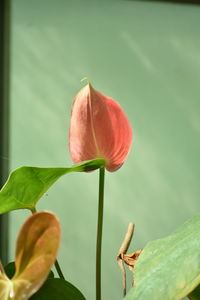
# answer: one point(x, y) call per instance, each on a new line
point(169, 268)
point(26, 185)
point(195, 295)
point(58, 289)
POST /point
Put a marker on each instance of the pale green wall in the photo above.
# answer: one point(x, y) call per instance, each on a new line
point(146, 55)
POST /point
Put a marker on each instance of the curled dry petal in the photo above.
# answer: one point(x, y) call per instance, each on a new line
point(98, 129)
point(130, 259)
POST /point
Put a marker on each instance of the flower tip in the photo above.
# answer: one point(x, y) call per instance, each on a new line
point(87, 80)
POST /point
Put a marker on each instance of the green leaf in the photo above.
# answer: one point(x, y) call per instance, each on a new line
point(10, 270)
point(51, 275)
point(58, 289)
point(195, 295)
point(168, 268)
point(26, 185)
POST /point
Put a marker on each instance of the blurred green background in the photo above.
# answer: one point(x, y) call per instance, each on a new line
point(144, 54)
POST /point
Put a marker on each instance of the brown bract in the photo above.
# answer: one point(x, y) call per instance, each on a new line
point(36, 251)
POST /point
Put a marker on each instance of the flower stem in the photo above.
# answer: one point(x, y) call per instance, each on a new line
point(56, 264)
point(99, 233)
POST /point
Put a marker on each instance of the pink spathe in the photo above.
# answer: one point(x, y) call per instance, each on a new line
point(98, 129)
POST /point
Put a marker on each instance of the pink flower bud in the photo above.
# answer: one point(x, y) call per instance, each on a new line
point(98, 129)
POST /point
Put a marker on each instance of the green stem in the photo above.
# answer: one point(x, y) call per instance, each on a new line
point(33, 210)
point(58, 269)
point(57, 266)
point(99, 233)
